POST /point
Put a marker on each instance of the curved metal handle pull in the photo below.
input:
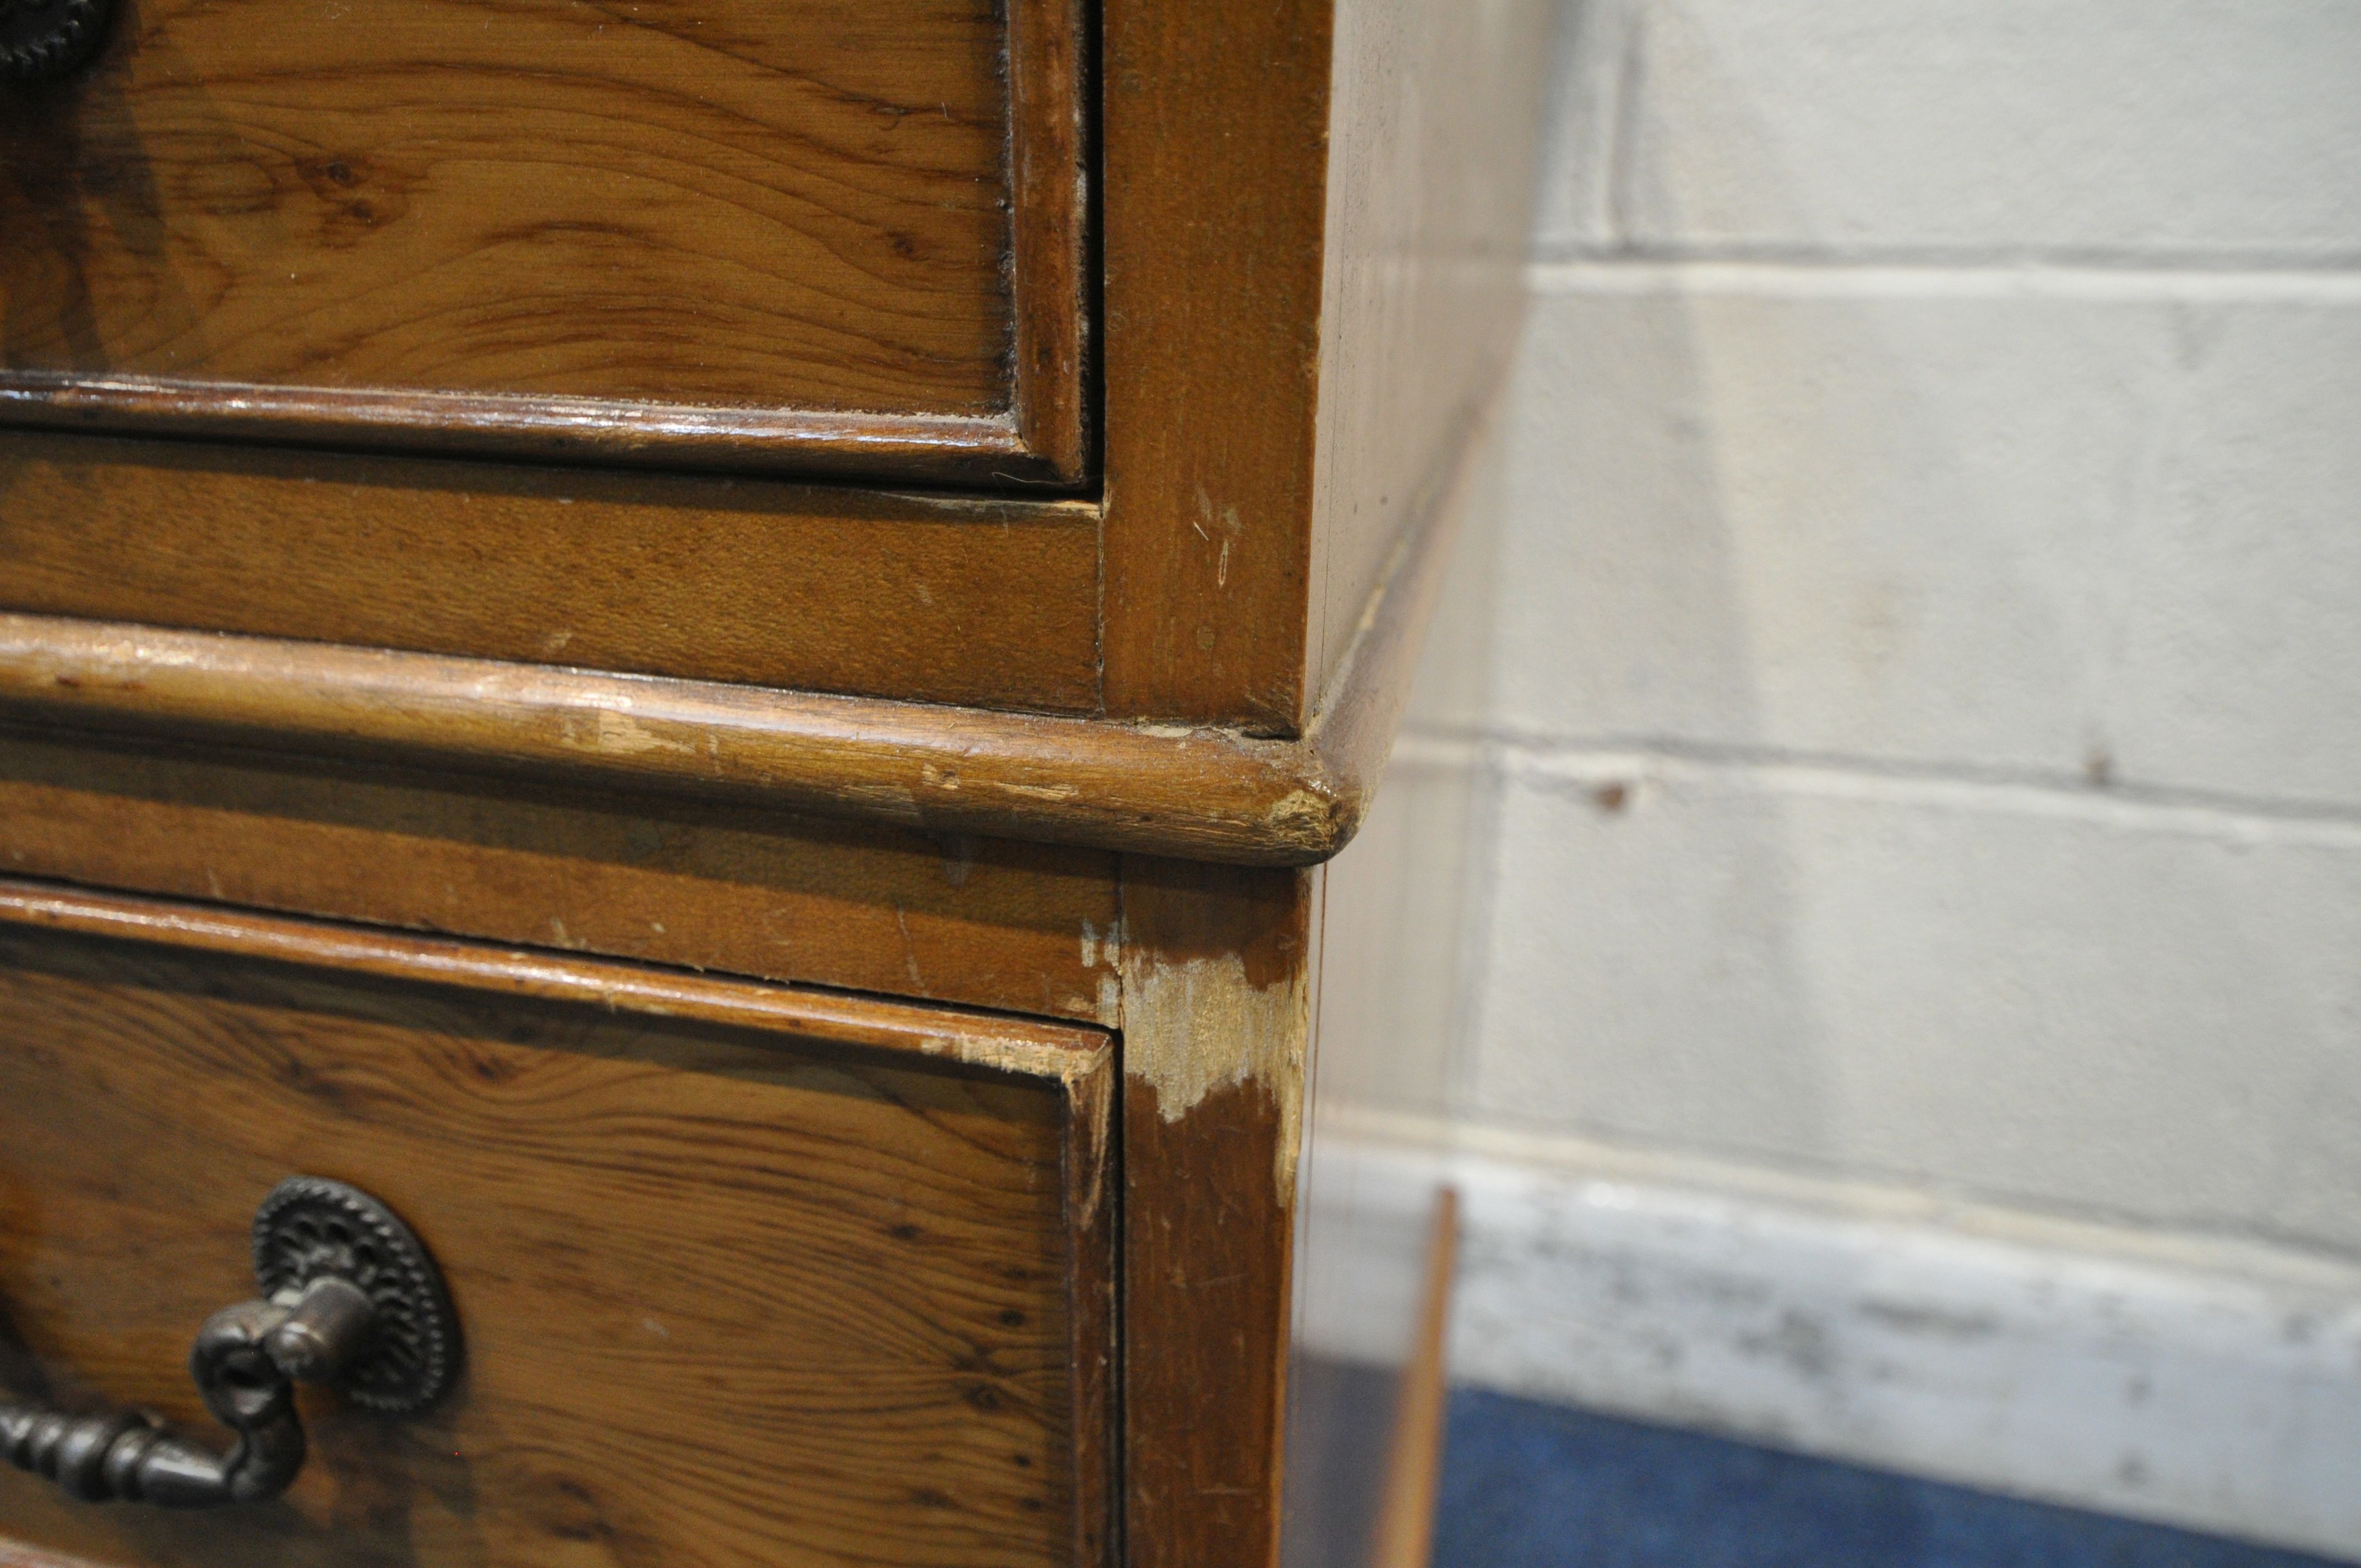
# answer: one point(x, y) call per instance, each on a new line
point(350, 1299)
point(43, 40)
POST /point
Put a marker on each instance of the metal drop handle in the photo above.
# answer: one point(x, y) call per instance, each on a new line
point(43, 40)
point(349, 1298)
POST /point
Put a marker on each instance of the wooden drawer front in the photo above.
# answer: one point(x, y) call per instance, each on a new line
point(812, 235)
point(990, 601)
point(744, 1273)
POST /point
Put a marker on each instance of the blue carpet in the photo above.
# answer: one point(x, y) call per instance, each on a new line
point(1533, 1485)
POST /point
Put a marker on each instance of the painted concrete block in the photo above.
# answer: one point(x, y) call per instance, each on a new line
point(2042, 997)
point(2218, 129)
point(2067, 526)
point(2234, 660)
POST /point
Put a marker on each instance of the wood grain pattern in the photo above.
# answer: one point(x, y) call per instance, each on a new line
point(1049, 176)
point(1217, 965)
point(986, 924)
point(1315, 220)
point(814, 1253)
point(1214, 121)
point(930, 597)
point(790, 232)
point(939, 769)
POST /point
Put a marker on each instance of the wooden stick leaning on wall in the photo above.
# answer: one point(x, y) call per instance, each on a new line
point(1414, 1459)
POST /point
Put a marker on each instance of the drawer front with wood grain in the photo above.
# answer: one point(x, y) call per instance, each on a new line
point(814, 236)
point(741, 1273)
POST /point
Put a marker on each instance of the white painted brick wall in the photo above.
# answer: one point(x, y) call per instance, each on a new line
point(1977, 625)
point(2202, 129)
point(2063, 1001)
point(1910, 715)
point(1975, 519)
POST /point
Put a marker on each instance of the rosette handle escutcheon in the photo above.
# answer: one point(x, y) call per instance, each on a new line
point(350, 1299)
point(41, 40)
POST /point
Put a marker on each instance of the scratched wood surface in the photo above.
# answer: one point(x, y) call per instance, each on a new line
point(1018, 927)
point(947, 770)
point(745, 1274)
point(541, 212)
point(1215, 152)
point(1315, 215)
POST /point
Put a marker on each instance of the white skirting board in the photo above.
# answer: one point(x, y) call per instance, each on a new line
point(2214, 1385)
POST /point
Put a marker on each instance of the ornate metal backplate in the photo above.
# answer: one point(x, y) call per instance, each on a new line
point(42, 39)
point(310, 1226)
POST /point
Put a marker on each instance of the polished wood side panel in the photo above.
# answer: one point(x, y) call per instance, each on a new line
point(1434, 131)
point(1315, 217)
point(1215, 127)
point(938, 599)
point(746, 1274)
point(812, 233)
point(986, 924)
point(1216, 1024)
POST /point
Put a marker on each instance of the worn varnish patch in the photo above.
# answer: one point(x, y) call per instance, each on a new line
point(1217, 1016)
point(1201, 1024)
point(1216, 992)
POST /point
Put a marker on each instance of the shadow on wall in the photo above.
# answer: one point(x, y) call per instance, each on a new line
point(1852, 696)
point(1648, 913)
point(1818, 586)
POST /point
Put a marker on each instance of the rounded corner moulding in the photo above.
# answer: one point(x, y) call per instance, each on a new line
point(1186, 794)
